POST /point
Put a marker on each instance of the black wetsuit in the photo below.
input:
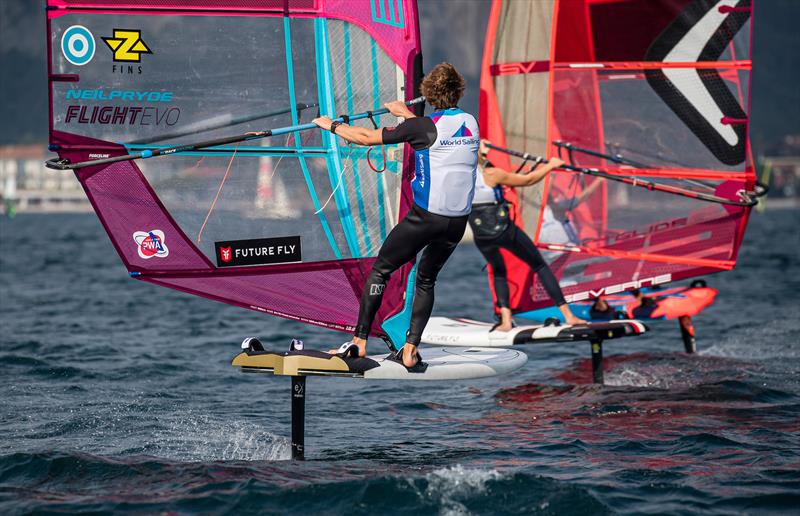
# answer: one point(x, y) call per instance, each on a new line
point(515, 240)
point(646, 308)
point(608, 314)
point(420, 229)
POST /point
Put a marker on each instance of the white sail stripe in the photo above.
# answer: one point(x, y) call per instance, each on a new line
point(688, 81)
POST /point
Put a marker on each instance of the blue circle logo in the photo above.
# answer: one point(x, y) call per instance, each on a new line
point(77, 45)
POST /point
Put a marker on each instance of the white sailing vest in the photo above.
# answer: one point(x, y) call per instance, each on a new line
point(484, 194)
point(444, 173)
point(554, 231)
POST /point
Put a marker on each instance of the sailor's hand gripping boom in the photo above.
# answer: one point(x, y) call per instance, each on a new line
point(64, 164)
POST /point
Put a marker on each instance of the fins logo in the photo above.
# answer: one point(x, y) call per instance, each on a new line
point(127, 45)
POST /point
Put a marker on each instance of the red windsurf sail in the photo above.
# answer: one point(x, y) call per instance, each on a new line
point(642, 92)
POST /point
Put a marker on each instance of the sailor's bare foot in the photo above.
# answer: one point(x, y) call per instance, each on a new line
point(506, 323)
point(504, 327)
point(360, 343)
point(573, 320)
point(409, 355)
point(569, 317)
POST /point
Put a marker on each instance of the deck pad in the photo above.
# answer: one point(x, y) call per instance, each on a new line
point(466, 332)
point(444, 363)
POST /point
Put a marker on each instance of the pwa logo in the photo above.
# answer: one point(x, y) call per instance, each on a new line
point(225, 254)
point(127, 45)
point(150, 244)
point(77, 45)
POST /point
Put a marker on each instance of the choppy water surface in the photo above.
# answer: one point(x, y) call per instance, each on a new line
point(116, 395)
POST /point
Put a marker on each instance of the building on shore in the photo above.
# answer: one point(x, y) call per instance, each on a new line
point(26, 185)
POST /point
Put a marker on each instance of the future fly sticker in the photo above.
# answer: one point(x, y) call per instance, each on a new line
point(258, 251)
point(151, 244)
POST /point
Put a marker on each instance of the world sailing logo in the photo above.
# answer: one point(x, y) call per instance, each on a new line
point(462, 137)
point(462, 132)
point(150, 244)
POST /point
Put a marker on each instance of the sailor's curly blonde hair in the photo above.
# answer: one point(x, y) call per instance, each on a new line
point(443, 87)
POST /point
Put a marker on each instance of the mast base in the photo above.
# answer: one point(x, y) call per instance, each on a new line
point(298, 417)
point(597, 360)
point(687, 334)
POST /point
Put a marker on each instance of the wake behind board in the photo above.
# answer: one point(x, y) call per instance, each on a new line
point(465, 332)
point(443, 364)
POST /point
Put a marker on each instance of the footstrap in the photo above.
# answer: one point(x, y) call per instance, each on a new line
point(348, 349)
point(252, 344)
point(419, 367)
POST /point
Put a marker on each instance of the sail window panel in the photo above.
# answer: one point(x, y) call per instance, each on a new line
point(524, 31)
point(640, 221)
point(739, 47)
point(363, 78)
point(638, 124)
point(577, 201)
point(303, 77)
point(640, 21)
point(202, 74)
point(523, 100)
point(649, 128)
point(261, 197)
point(624, 30)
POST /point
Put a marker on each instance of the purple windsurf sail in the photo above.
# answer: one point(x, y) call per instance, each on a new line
point(287, 225)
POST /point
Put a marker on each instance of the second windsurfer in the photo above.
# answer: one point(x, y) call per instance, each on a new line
point(493, 230)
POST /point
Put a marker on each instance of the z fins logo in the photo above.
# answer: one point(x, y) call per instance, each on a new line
point(127, 45)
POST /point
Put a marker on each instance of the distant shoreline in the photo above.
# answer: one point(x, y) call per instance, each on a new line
point(47, 208)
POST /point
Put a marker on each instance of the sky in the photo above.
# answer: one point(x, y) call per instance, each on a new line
point(452, 30)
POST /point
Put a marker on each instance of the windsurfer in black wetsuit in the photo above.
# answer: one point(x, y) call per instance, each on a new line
point(445, 147)
point(602, 311)
point(647, 305)
point(494, 230)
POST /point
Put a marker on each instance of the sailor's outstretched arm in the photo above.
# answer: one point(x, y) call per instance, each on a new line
point(538, 173)
point(498, 176)
point(589, 190)
point(362, 135)
point(351, 133)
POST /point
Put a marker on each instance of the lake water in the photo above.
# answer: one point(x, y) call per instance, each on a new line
point(118, 396)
